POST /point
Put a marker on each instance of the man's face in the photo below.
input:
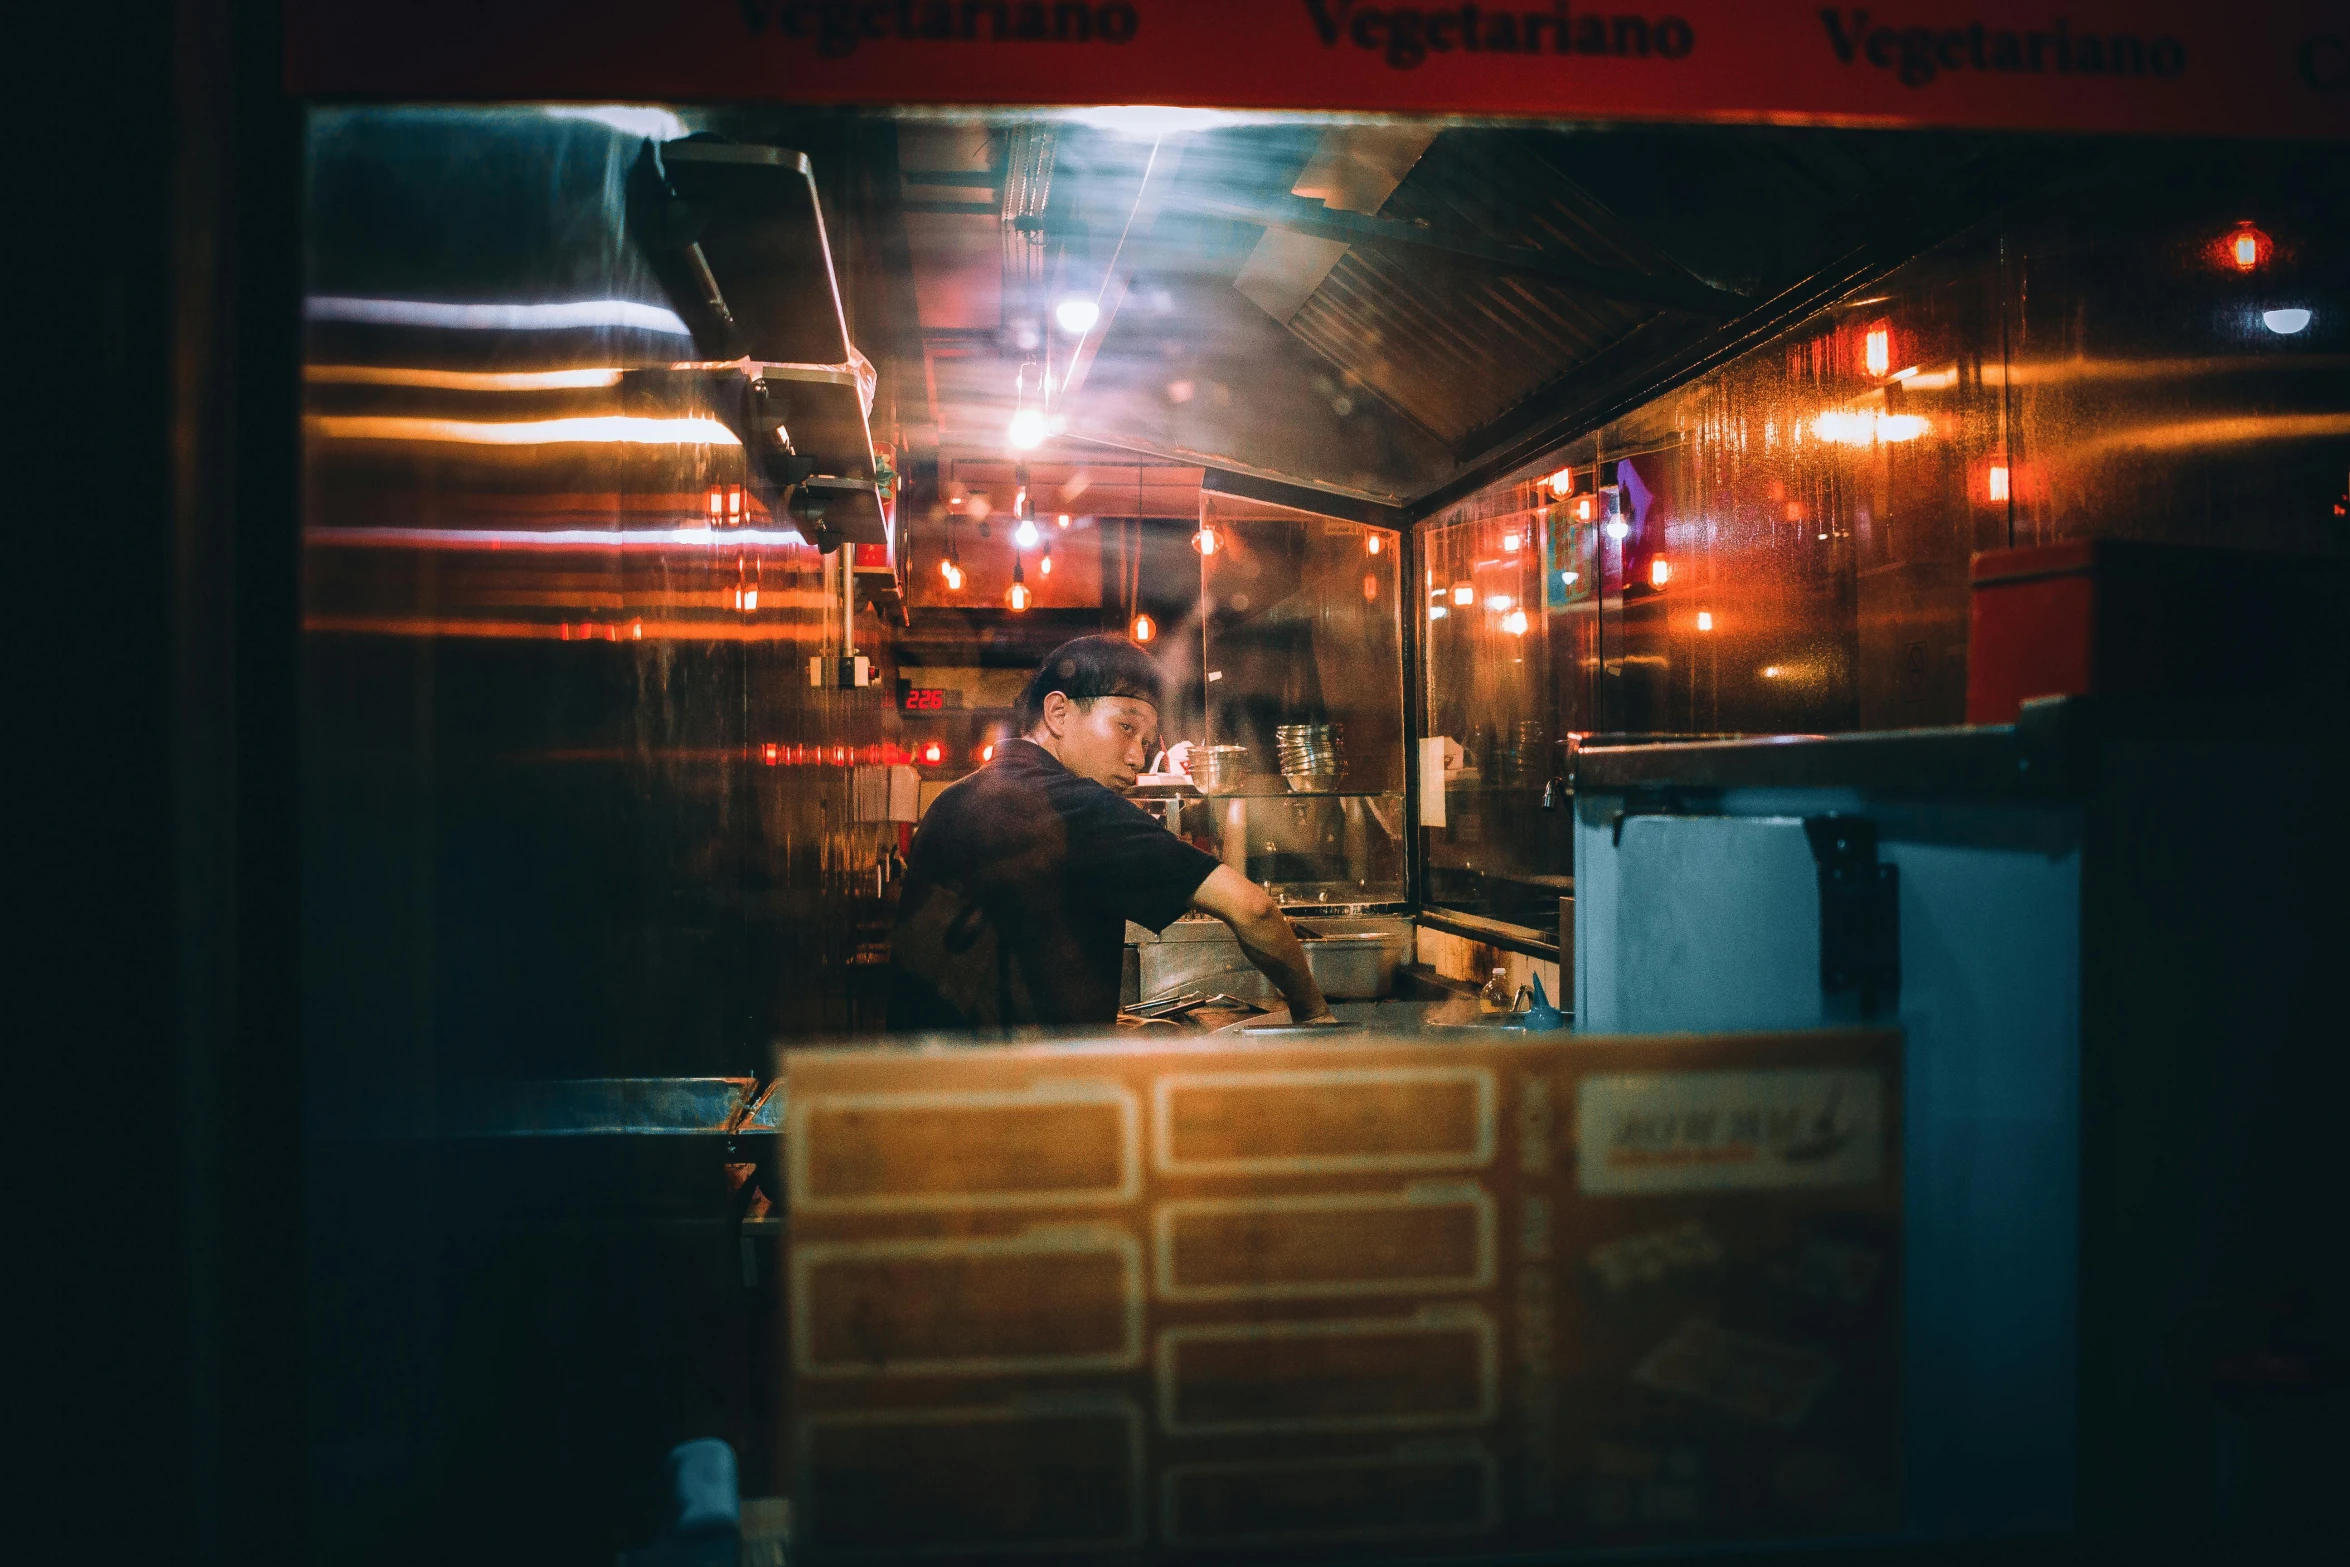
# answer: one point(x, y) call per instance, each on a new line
point(1106, 739)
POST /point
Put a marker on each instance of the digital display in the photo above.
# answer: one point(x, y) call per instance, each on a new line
point(921, 699)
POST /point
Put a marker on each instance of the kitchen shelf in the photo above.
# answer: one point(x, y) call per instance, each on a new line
point(1306, 794)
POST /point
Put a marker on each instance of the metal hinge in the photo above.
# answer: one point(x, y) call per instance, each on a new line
point(1860, 912)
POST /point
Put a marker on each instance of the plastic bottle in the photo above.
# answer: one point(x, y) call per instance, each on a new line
point(1496, 998)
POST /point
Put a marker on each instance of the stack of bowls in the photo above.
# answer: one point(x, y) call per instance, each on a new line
point(1312, 755)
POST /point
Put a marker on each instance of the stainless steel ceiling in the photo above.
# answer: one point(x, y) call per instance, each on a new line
point(1512, 271)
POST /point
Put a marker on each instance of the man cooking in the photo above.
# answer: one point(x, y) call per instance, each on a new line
point(1024, 874)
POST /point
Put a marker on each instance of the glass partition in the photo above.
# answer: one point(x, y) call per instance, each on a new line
point(1512, 583)
point(1302, 765)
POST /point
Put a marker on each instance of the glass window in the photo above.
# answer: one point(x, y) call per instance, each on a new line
point(1303, 671)
point(1510, 584)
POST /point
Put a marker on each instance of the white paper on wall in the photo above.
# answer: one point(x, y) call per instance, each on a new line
point(1432, 781)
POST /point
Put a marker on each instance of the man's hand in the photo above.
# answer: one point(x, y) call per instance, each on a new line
point(1266, 938)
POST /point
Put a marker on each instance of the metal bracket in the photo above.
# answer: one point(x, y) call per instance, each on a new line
point(1860, 911)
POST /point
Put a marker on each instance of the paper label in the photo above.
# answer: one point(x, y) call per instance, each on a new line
point(1639, 1134)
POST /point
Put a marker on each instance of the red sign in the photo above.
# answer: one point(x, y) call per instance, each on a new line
point(2079, 65)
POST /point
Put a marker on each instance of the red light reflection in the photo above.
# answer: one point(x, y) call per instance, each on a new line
point(2244, 247)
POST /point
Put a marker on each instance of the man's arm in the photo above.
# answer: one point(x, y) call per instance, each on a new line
point(1265, 936)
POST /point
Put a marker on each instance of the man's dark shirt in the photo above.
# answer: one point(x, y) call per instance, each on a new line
point(1017, 894)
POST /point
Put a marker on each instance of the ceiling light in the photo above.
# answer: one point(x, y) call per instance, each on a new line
point(1619, 530)
point(1998, 483)
point(1514, 623)
point(1045, 566)
point(1660, 572)
point(1509, 544)
point(2284, 322)
point(1843, 427)
point(1705, 620)
point(1464, 595)
point(1064, 519)
point(1562, 483)
point(1145, 628)
point(1027, 430)
point(1076, 315)
point(1016, 596)
point(1878, 350)
point(1498, 602)
point(628, 119)
point(1370, 543)
point(1025, 534)
point(1151, 119)
point(1205, 540)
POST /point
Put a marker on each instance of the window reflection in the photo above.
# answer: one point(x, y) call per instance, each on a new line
point(1305, 700)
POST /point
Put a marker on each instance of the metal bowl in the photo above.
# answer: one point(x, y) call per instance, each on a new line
point(1218, 767)
point(1353, 965)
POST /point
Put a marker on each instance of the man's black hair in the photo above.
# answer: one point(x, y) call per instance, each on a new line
point(1089, 668)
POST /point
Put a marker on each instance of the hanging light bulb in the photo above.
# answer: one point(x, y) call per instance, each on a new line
point(1660, 572)
point(1371, 545)
point(1145, 628)
point(954, 577)
point(1027, 430)
point(1877, 350)
point(2246, 247)
point(1205, 540)
point(1025, 534)
point(1016, 596)
point(1044, 566)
